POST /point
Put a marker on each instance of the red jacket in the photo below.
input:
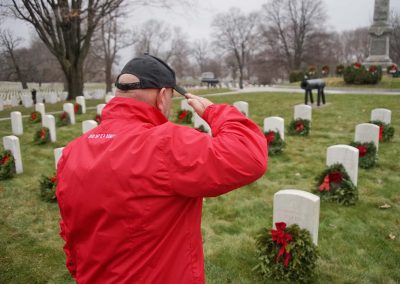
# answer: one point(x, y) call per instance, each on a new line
point(130, 191)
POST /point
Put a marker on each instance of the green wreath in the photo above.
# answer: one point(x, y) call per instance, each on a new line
point(42, 136)
point(386, 131)
point(63, 119)
point(7, 165)
point(286, 254)
point(334, 184)
point(184, 116)
point(48, 187)
point(367, 154)
point(77, 108)
point(299, 126)
point(35, 117)
point(97, 118)
point(275, 142)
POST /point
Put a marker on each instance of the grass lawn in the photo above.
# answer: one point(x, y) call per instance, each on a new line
point(353, 241)
point(388, 82)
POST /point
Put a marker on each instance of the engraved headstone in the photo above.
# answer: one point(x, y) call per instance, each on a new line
point(382, 114)
point(88, 125)
point(302, 111)
point(81, 100)
point(275, 123)
point(50, 122)
point(298, 207)
point(367, 132)
point(16, 123)
point(345, 155)
point(69, 108)
point(12, 143)
point(39, 107)
point(243, 107)
point(57, 155)
point(99, 108)
point(198, 122)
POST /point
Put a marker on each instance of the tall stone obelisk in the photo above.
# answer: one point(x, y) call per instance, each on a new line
point(379, 36)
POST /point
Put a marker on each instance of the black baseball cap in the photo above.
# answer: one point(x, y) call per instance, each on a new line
point(152, 72)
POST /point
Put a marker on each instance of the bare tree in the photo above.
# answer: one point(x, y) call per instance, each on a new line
point(66, 27)
point(395, 38)
point(9, 44)
point(108, 40)
point(200, 53)
point(354, 44)
point(288, 25)
point(153, 38)
point(235, 33)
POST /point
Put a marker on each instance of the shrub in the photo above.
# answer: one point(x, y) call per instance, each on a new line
point(296, 76)
point(358, 74)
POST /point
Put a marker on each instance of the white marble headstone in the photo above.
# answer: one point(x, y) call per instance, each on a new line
point(69, 108)
point(16, 123)
point(382, 114)
point(81, 100)
point(39, 98)
point(50, 122)
point(52, 98)
point(14, 101)
point(99, 108)
point(345, 155)
point(297, 207)
point(185, 105)
point(302, 111)
point(39, 107)
point(108, 98)
point(198, 121)
point(243, 107)
point(12, 143)
point(88, 125)
point(57, 155)
point(367, 132)
point(275, 123)
point(1, 104)
point(27, 101)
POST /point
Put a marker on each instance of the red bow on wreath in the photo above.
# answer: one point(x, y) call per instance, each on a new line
point(33, 115)
point(270, 137)
point(42, 134)
point(183, 115)
point(380, 132)
point(299, 127)
point(4, 160)
point(281, 238)
point(325, 184)
point(53, 179)
point(362, 150)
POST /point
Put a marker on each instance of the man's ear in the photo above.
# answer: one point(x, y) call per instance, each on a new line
point(161, 100)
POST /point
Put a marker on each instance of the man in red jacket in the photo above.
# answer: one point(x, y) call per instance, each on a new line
point(130, 191)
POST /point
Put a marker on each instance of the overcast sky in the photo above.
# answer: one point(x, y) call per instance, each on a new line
point(196, 21)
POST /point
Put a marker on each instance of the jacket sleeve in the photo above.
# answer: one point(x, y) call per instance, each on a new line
point(70, 263)
point(236, 155)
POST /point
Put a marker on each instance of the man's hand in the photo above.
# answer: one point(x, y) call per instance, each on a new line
point(199, 104)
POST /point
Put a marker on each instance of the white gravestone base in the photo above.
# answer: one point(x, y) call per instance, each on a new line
point(345, 155)
point(50, 122)
point(16, 123)
point(12, 143)
point(88, 125)
point(275, 123)
point(57, 155)
point(69, 108)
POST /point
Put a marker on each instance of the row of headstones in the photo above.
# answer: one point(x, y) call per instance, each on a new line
point(12, 142)
point(301, 207)
point(27, 101)
point(51, 98)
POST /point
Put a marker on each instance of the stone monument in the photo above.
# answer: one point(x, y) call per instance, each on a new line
point(379, 36)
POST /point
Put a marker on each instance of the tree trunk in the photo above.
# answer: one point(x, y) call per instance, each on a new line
point(240, 76)
point(75, 81)
point(109, 81)
point(21, 78)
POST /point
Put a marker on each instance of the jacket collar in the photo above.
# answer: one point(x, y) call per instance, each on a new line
point(132, 109)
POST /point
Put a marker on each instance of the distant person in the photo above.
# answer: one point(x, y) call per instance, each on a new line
point(34, 96)
point(131, 190)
